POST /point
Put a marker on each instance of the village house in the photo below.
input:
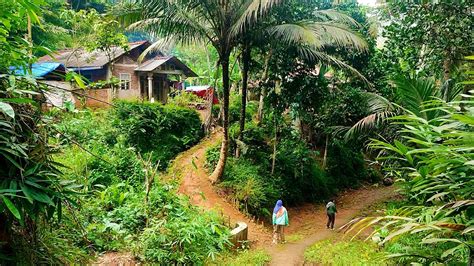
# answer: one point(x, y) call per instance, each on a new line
point(151, 79)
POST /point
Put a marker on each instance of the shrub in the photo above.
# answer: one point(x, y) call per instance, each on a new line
point(235, 106)
point(185, 236)
point(111, 165)
point(163, 131)
point(248, 181)
point(212, 157)
point(54, 246)
point(185, 99)
point(300, 176)
point(346, 165)
point(87, 126)
point(111, 214)
point(254, 144)
point(413, 244)
point(216, 109)
point(244, 183)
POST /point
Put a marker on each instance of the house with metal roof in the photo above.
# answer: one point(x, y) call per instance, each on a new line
point(45, 70)
point(52, 74)
point(149, 79)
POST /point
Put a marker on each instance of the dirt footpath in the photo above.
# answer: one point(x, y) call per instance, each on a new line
point(308, 222)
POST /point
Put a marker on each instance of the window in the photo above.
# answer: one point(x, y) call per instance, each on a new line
point(125, 81)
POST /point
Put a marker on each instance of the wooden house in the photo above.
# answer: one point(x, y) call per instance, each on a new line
point(150, 79)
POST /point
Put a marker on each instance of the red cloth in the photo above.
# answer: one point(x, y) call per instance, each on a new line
point(205, 94)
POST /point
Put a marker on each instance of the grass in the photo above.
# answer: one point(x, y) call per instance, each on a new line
point(243, 258)
point(336, 252)
point(293, 238)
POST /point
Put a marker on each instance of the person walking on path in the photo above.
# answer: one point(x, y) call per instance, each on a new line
point(331, 212)
point(279, 221)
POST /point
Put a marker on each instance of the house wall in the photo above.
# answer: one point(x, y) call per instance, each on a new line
point(134, 92)
point(94, 98)
point(58, 93)
point(94, 75)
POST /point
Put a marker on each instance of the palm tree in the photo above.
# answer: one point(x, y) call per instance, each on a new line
point(311, 37)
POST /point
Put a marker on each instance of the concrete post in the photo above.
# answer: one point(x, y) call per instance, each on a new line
point(150, 87)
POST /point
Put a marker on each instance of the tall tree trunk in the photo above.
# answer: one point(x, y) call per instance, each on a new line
point(263, 92)
point(325, 152)
point(245, 71)
point(275, 143)
point(447, 65)
point(217, 174)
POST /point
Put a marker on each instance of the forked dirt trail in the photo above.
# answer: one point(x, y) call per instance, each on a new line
point(307, 222)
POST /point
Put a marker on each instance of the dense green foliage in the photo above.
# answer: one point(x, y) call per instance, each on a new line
point(31, 188)
point(433, 160)
point(32, 191)
point(281, 154)
point(121, 215)
point(110, 210)
point(185, 99)
point(75, 184)
point(158, 130)
point(428, 39)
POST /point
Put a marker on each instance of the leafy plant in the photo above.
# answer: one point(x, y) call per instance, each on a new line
point(253, 192)
point(187, 236)
point(163, 131)
point(433, 160)
point(185, 99)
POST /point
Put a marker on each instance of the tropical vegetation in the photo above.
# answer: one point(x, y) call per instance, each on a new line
point(316, 97)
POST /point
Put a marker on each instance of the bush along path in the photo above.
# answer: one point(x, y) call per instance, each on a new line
point(307, 222)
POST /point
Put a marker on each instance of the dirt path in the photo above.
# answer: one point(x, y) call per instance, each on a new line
point(189, 167)
point(308, 223)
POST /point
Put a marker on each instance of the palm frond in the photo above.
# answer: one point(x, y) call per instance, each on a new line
point(178, 20)
point(250, 12)
point(296, 33)
point(164, 45)
point(336, 16)
point(318, 35)
point(450, 92)
point(339, 35)
point(127, 12)
point(380, 109)
point(412, 92)
point(316, 56)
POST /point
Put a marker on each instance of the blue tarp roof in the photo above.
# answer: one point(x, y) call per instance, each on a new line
point(38, 69)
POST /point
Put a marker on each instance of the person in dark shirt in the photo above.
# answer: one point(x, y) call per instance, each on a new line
point(331, 212)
